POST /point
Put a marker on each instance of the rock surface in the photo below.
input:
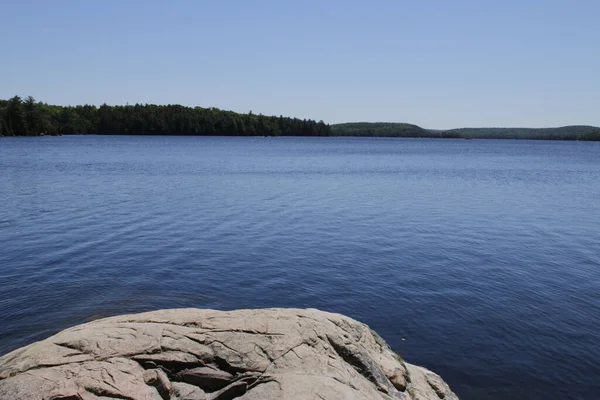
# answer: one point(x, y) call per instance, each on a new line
point(192, 354)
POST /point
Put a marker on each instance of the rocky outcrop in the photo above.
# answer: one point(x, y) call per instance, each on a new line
point(191, 354)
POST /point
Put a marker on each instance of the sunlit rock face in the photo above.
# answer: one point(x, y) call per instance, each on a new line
point(192, 354)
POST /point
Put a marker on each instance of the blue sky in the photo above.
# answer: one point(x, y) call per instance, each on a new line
point(435, 63)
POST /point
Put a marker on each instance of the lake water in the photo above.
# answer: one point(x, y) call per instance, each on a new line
point(483, 255)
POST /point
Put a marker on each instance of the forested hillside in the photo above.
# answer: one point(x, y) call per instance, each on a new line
point(29, 117)
point(390, 129)
point(574, 132)
point(380, 129)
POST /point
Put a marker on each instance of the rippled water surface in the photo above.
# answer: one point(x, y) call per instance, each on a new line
point(484, 255)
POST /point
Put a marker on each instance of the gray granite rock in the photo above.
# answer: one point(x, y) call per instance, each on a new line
point(191, 354)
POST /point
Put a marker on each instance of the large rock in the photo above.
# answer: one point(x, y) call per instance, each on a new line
point(191, 354)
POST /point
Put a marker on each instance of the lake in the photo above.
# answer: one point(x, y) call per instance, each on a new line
point(479, 259)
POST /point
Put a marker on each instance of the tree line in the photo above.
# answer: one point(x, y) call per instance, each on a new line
point(393, 129)
point(28, 117)
point(388, 129)
point(573, 132)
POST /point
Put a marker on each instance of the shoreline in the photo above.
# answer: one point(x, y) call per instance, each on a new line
point(313, 137)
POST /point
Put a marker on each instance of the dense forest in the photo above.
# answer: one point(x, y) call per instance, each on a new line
point(385, 129)
point(29, 117)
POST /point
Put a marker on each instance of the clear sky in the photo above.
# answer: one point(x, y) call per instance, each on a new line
point(435, 63)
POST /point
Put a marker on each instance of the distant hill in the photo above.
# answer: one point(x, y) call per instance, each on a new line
point(574, 132)
point(380, 129)
point(392, 129)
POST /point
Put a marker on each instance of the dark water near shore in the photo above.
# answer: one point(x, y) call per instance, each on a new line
point(483, 255)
